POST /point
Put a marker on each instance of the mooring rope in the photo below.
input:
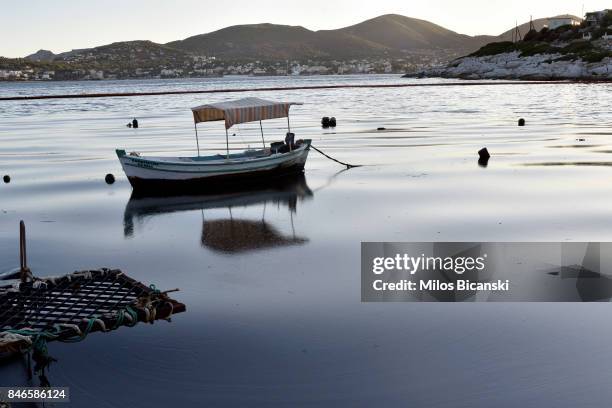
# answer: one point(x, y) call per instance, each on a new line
point(348, 165)
point(291, 88)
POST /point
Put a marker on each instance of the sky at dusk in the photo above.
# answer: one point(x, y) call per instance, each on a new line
point(63, 25)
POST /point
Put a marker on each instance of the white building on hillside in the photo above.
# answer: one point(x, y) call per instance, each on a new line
point(556, 22)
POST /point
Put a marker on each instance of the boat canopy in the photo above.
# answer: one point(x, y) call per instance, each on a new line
point(242, 111)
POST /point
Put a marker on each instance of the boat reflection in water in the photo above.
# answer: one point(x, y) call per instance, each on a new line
point(230, 234)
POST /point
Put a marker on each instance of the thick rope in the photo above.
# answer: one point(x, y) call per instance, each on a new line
point(290, 88)
point(348, 165)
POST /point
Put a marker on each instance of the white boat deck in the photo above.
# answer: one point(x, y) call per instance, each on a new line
point(245, 156)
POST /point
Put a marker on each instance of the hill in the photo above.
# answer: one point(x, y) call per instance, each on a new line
point(404, 34)
point(120, 60)
point(389, 34)
point(41, 56)
point(387, 43)
point(252, 41)
point(127, 54)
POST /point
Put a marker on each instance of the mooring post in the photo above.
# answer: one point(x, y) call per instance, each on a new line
point(23, 259)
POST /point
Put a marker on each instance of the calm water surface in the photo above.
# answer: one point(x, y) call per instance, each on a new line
point(271, 278)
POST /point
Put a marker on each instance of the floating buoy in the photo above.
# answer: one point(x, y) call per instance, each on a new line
point(109, 178)
point(6, 178)
point(332, 121)
point(129, 125)
point(484, 153)
point(381, 128)
point(521, 122)
point(483, 157)
point(325, 121)
point(135, 123)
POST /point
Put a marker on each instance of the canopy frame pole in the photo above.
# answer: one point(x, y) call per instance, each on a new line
point(195, 126)
point(288, 124)
point(289, 129)
point(226, 144)
point(263, 142)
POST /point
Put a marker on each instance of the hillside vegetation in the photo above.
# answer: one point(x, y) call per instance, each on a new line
point(565, 40)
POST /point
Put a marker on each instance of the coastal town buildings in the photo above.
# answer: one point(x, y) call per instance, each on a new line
point(594, 18)
point(210, 66)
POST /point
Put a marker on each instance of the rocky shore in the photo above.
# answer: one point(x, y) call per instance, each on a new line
point(512, 65)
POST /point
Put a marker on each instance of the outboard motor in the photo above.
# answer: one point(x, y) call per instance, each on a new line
point(275, 147)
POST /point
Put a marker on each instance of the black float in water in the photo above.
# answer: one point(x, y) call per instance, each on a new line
point(332, 121)
point(483, 157)
point(521, 122)
point(484, 153)
point(6, 178)
point(129, 124)
point(325, 122)
point(110, 179)
point(381, 128)
point(135, 123)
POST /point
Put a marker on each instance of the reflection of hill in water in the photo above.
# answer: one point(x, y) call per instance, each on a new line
point(226, 235)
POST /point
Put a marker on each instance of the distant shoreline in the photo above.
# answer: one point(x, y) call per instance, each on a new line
point(356, 74)
point(194, 77)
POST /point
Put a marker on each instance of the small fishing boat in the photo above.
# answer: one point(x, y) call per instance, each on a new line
point(278, 159)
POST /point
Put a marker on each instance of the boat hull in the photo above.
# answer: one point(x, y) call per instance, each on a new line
point(185, 173)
